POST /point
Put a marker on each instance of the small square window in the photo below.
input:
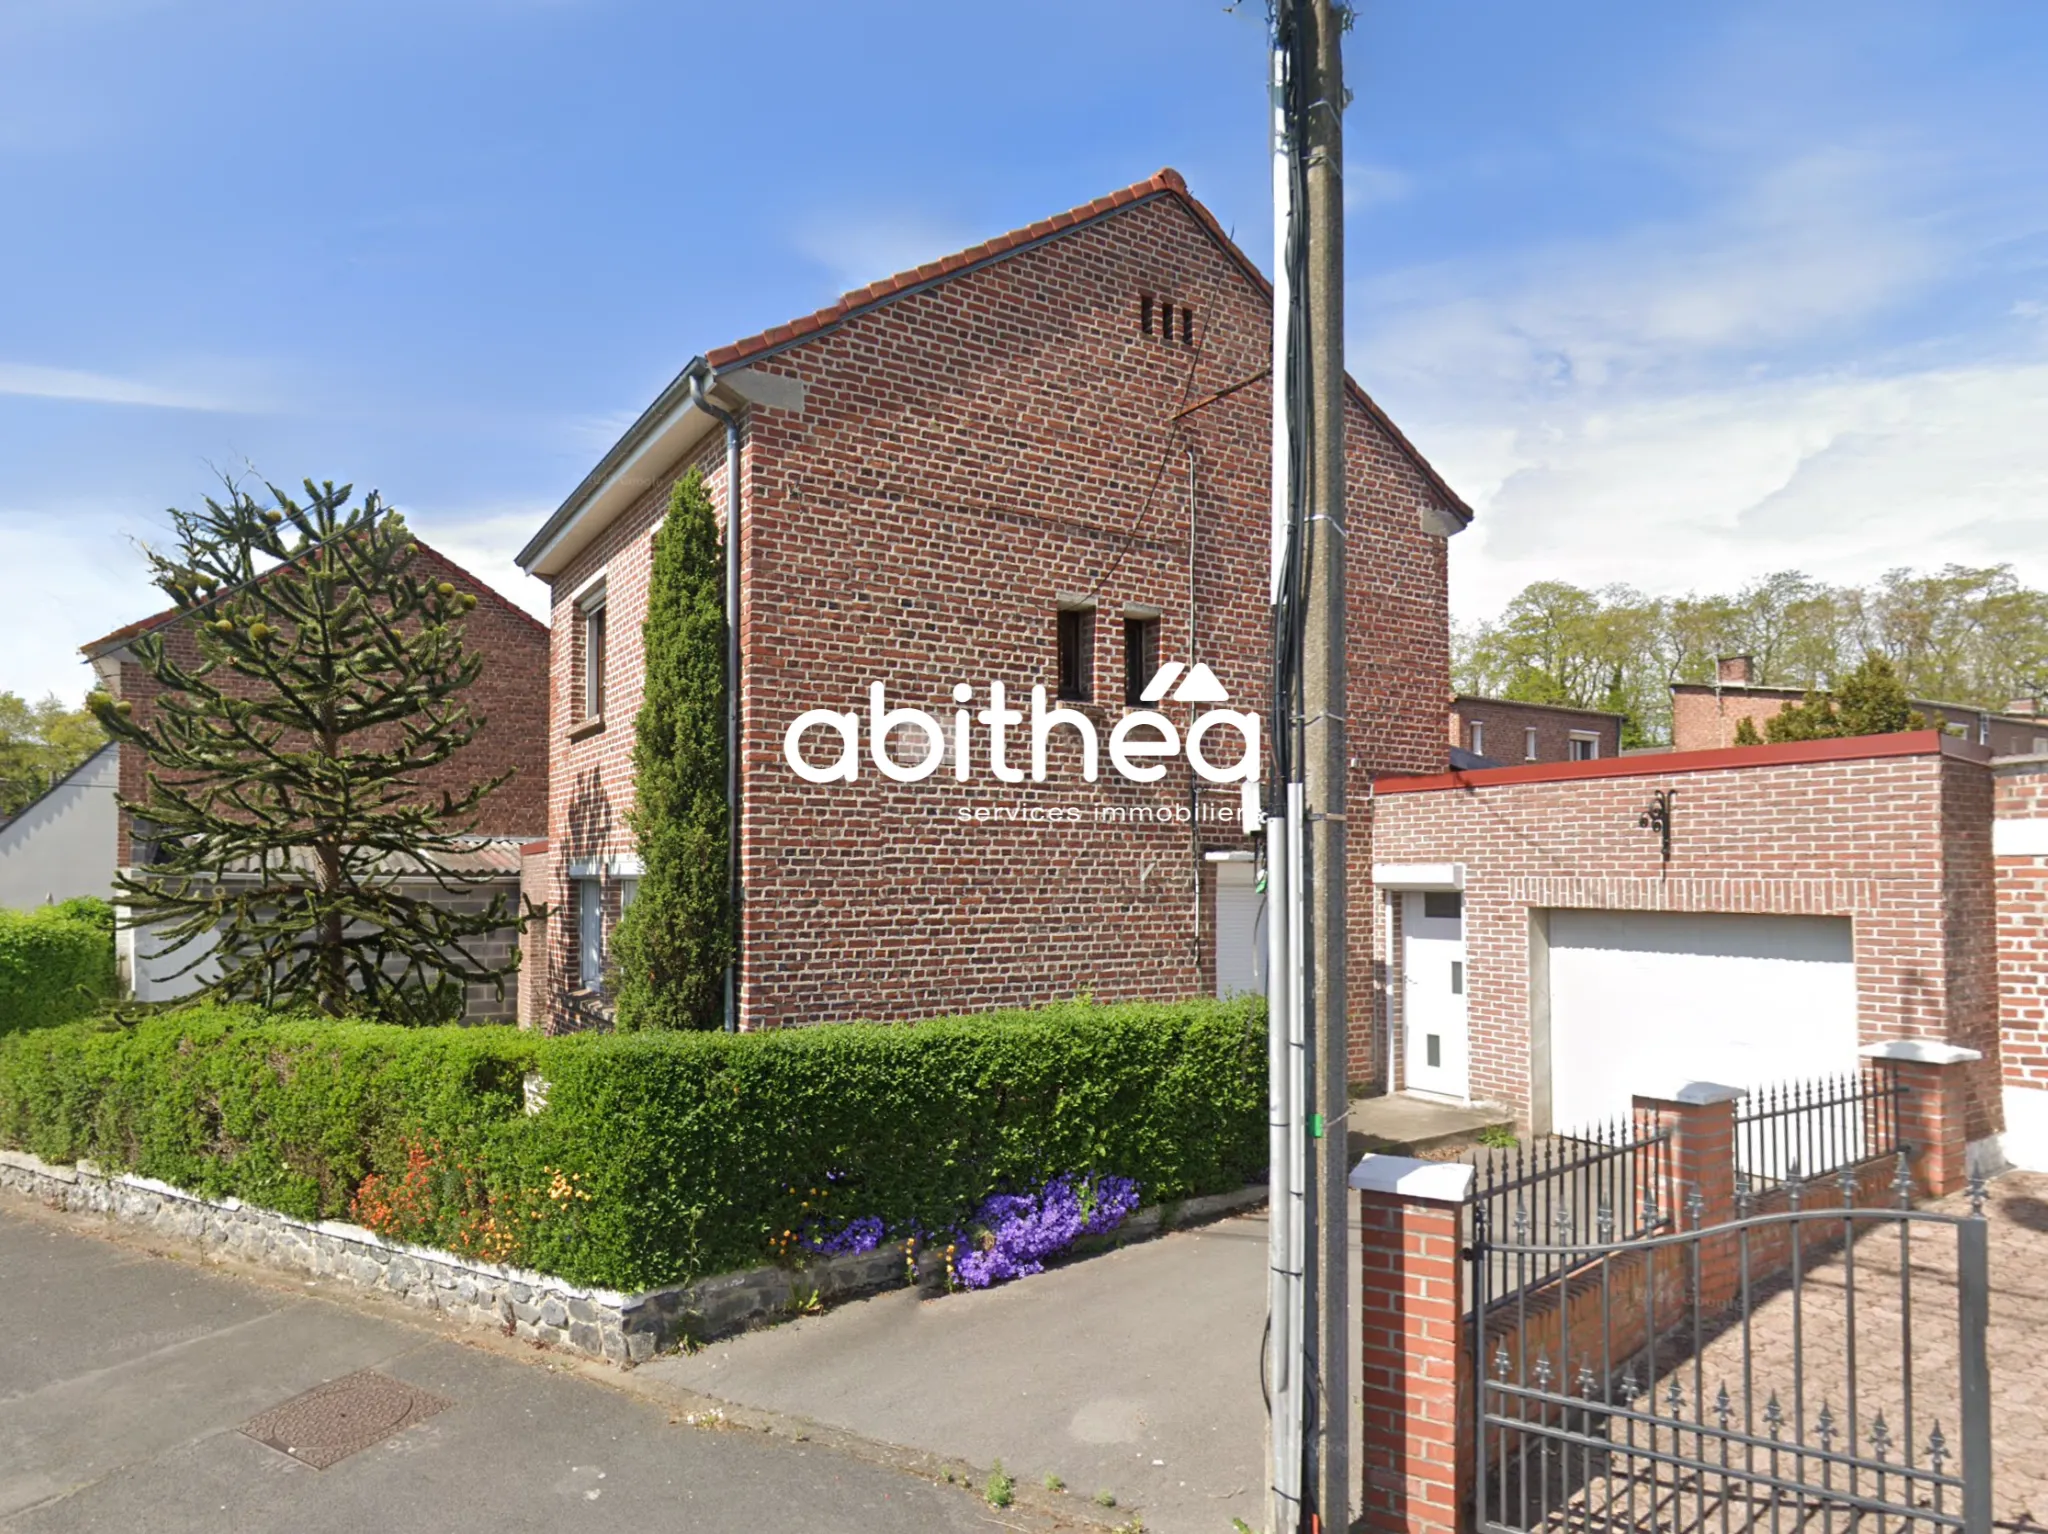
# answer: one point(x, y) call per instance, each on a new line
point(1141, 657)
point(1443, 905)
point(1585, 748)
point(1077, 654)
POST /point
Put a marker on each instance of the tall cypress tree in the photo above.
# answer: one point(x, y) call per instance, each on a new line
point(289, 820)
point(672, 948)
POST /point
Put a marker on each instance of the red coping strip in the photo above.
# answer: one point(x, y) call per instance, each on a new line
point(1786, 753)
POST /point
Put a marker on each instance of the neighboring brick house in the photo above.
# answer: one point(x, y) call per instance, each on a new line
point(1043, 461)
point(1507, 732)
point(509, 698)
point(1817, 898)
point(1705, 715)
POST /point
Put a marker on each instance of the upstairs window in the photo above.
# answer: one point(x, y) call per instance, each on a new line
point(1141, 657)
point(1477, 729)
point(1077, 654)
point(1529, 743)
point(590, 617)
point(1585, 748)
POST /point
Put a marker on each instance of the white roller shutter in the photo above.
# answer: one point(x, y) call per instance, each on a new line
point(1644, 1001)
point(1240, 931)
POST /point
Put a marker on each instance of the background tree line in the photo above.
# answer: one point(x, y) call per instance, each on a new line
point(1960, 634)
point(39, 743)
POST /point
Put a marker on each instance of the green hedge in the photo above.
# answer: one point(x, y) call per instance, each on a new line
point(659, 1157)
point(56, 963)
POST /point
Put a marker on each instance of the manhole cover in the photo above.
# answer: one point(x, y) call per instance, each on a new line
point(332, 1421)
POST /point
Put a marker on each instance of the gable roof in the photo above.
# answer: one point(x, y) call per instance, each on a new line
point(107, 643)
point(674, 403)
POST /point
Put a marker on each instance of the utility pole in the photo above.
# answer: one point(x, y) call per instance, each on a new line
point(1325, 769)
point(1308, 1356)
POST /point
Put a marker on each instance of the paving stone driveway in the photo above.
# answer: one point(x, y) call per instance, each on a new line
point(2017, 1214)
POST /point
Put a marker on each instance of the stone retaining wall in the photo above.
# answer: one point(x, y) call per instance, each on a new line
point(602, 1323)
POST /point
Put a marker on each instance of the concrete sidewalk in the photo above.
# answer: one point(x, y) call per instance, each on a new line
point(1135, 1373)
point(125, 1378)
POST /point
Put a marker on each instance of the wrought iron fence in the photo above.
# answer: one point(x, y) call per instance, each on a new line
point(1602, 1183)
point(1758, 1374)
point(1812, 1128)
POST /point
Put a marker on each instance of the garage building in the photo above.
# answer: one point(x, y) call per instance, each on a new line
point(1564, 935)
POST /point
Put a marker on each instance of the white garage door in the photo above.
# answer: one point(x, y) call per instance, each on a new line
point(1647, 1000)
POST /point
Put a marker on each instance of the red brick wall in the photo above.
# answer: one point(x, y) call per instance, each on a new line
point(509, 699)
point(1507, 726)
point(1704, 719)
point(1898, 843)
point(967, 456)
point(2021, 794)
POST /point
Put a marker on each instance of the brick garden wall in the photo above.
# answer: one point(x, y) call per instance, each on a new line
point(968, 457)
point(1898, 843)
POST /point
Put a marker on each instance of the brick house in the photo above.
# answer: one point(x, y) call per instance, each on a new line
point(1705, 715)
point(1507, 732)
point(509, 698)
point(1551, 952)
point(1042, 462)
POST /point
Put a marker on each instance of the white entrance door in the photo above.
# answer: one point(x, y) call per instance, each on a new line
point(1240, 931)
point(1642, 1001)
point(1433, 995)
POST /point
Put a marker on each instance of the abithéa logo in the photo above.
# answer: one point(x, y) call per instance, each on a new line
point(1138, 743)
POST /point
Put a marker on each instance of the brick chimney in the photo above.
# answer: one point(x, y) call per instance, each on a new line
point(1732, 671)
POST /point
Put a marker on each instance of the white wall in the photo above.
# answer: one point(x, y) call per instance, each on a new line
point(2025, 1142)
point(62, 846)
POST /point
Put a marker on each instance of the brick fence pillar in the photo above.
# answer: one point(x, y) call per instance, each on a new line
point(1413, 1363)
point(1693, 1173)
point(1931, 1108)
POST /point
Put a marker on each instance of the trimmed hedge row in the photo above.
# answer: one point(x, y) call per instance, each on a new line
point(659, 1157)
point(56, 963)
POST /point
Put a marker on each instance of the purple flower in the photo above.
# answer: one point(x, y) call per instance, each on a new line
point(1018, 1231)
point(861, 1235)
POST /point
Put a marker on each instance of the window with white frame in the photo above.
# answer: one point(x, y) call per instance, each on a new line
point(1585, 747)
point(1529, 743)
point(1477, 729)
point(590, 934)
point(590, 652)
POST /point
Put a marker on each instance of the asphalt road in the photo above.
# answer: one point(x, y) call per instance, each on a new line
point(126, 1377)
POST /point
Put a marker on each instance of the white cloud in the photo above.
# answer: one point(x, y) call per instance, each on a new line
point(1694, 403)
point(22, 378)
point(1810, 248)
point(857, 249)
point(1840, 476)
point(1367, 185)
point(87, 580)
point(484, 542)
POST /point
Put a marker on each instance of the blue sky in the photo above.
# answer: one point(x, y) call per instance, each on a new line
point(1673, 295)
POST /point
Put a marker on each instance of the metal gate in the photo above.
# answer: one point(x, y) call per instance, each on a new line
point(1776, 1372)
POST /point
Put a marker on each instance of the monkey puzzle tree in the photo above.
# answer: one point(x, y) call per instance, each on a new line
point(312, 675)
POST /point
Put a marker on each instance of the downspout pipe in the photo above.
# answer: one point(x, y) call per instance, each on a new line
point(731, 423)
